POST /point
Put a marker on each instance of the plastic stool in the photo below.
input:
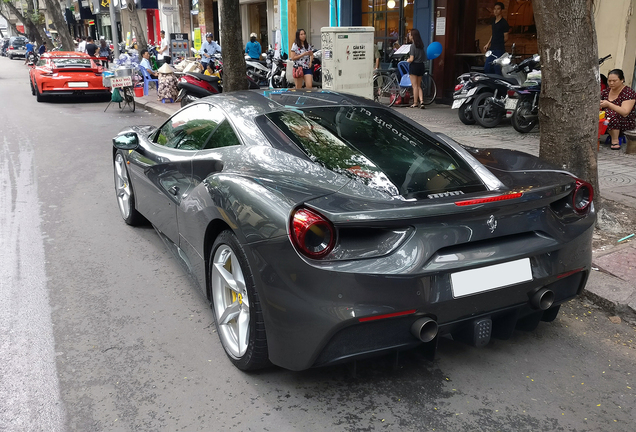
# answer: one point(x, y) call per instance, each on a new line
point(167, 99)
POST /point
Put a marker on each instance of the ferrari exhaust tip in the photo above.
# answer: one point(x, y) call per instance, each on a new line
point(542, 299)
point(425, 329)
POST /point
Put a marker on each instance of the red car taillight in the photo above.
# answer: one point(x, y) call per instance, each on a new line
point(10, 48)
point(313, 235)
point(582, 196)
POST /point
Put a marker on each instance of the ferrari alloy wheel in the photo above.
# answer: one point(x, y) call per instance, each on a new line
point(237, 312)
point(124, 192)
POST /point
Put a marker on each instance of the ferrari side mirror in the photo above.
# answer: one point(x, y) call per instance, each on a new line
point(127, 141)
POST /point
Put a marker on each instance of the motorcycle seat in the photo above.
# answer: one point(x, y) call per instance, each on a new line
point(263, 62)
point(203, 77)
point(503, 78)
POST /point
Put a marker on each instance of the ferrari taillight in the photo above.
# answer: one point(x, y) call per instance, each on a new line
point(582, 196)
point(312, 234)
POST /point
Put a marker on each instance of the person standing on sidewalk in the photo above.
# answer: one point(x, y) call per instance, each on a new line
point(91, 48)
point(303, 56)
point(81, 47)
point(497, 42)
point(162, 53)
point(416, 60)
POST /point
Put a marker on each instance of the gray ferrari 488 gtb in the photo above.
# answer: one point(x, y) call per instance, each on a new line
point(323, 227)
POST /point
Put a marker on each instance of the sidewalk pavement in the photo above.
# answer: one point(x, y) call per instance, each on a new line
point(612, 285)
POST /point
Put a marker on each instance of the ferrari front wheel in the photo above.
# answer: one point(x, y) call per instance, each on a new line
point(32, 87)
point(124, 193)
point(236, 305)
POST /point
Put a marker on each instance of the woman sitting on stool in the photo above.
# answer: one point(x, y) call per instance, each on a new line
point(618, 102)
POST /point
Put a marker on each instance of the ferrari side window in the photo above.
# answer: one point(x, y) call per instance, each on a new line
point(189, 129)
point(223, 136)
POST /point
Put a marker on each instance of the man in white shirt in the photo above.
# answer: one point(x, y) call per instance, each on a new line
point(82, 45)
point(162, 53)
point(208, 49)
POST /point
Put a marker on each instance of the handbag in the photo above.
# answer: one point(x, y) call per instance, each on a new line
point(298, 72)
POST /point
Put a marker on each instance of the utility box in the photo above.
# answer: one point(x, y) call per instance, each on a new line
point(347, 60)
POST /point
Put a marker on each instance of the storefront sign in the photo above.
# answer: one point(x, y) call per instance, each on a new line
point(169, 9)
point(197, 39)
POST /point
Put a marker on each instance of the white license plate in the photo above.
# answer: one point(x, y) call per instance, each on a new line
point(457, 103)
point(511, 104)
point(482, 279)
point(78, 84)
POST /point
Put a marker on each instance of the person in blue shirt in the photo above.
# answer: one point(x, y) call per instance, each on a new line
point(253, 48)
point(145, 62)
point(208, 49)
point(29, 48)
point(42, 48)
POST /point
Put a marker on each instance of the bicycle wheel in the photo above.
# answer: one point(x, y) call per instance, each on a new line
point(385, 89)
point(429, 89)
point(129, 97)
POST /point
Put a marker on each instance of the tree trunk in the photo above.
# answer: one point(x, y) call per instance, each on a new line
point(234, 69)
point(135, 23)
point(570, 93)
point(55, 11)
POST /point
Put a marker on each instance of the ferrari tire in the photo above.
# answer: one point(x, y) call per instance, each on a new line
point(465, 113)
point(124, 193)
point(32, 87)
point(236, 305)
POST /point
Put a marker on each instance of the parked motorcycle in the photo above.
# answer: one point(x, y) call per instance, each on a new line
point(257, 70)
point(193, 86)
point(276, 77)
point(480, 98)
point(317, 70)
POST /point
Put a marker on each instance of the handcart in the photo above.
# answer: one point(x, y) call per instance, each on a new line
point(123, 81)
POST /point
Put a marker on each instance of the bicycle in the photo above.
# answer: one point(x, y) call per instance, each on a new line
point(389, 83)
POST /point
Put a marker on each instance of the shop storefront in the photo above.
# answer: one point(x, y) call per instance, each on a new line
point(392, 20)
point(464, 28)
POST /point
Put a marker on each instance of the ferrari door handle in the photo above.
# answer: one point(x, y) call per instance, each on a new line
point(174, 190)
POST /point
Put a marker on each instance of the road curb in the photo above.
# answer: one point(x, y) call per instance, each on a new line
point(612, 294)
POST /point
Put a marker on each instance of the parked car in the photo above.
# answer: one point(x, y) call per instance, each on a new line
point(324, 227)
point(16, 47)
point(66, 73)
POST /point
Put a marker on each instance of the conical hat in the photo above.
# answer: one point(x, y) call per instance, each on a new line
point(166, 69)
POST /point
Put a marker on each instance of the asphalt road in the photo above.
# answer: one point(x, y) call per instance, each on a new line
point(101, 330)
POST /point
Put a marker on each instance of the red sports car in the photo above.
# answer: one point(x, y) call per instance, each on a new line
point(67, 73)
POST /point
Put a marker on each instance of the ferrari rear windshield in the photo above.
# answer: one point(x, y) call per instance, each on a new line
point(374, 146)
